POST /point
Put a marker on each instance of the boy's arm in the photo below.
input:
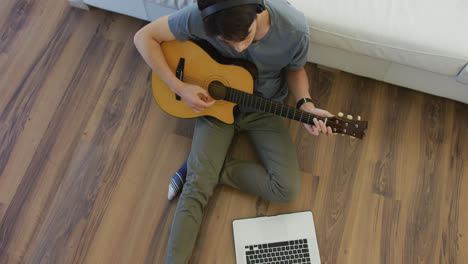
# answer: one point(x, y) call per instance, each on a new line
point(148, 42)
point(298, 83)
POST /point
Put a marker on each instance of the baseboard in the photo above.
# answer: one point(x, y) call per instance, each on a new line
point(78, 4)
point(390, 72)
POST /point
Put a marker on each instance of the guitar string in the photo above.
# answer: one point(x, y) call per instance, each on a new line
point(297, 114)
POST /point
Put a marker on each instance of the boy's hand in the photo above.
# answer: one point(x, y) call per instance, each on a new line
point(196, 97)
point(319, 126)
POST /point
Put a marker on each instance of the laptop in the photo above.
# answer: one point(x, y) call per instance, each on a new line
point(286, 238)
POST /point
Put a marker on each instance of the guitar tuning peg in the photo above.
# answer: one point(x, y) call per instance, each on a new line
point(359, 118)
point(350, 117)
point(340, 114)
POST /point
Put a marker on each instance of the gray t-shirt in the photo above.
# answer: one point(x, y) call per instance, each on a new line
point(285, 45)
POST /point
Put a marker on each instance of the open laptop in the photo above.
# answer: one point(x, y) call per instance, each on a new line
point(286, 238)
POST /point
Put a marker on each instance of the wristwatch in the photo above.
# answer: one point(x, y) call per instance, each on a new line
point(302, 101)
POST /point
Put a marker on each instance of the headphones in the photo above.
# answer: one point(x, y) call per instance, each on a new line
point(215, 8)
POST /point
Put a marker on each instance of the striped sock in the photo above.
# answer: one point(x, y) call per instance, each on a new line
point(177, 181)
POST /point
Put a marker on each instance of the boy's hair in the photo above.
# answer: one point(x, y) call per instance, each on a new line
point(231, 24)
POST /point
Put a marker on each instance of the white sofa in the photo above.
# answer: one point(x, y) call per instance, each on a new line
point(418, 44)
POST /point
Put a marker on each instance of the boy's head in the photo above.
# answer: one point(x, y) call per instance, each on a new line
point(230, 20)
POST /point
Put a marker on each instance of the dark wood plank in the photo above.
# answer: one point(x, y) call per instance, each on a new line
point(70, 118)
point(19, 15)
point(423, 224)
point(2, 210)
point(451, 238)
point(3, 64)
point(47, 99)
point(392, 115)
point(3, 204)
point(111, 121)
point(389, 230)
point(70, 207)
point(18, 108)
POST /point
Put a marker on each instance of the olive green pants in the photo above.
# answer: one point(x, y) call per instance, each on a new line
point(277, 181)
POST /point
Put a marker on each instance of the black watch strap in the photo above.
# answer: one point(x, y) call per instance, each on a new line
point(302, 101)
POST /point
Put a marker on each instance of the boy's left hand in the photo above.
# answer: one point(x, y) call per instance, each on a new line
point(319, 126)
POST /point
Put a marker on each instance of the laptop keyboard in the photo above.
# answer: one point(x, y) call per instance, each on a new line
point(286, 252)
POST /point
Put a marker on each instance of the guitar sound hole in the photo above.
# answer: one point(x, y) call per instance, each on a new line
point(217, 90)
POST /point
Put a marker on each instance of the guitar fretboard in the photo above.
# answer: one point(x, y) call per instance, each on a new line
point(262, 104)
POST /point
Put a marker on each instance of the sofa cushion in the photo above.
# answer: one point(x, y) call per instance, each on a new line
point(131, 8)
point(176, 4)
point(426, 34)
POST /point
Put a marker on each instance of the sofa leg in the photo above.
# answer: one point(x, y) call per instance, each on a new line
point(79, 4)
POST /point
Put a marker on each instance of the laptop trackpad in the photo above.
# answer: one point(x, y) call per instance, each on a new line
point(279, 228)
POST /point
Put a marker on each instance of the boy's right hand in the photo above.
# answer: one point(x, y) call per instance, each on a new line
point(195, 97)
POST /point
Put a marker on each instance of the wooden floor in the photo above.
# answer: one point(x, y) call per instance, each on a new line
point(86, 156)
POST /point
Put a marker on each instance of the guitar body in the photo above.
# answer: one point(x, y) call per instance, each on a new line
point(200, 68)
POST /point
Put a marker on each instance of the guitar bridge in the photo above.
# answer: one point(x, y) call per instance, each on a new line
point(180, 73)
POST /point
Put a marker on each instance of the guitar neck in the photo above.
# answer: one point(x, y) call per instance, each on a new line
point(269, 106)
point(338, 125)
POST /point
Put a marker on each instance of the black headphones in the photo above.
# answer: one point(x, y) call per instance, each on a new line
point(260, 4)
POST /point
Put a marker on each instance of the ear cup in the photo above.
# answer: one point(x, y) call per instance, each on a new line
point(261, 6)
point(232, 3)
point(259, 9)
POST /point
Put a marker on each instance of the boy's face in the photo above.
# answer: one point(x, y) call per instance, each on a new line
point(243, 44)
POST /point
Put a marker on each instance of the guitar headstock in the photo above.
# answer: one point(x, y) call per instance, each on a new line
point(347, 126)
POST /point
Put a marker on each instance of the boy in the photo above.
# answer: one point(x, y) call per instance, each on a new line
point(275, 37)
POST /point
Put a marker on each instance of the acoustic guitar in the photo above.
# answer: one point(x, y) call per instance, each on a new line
point(230, 82)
